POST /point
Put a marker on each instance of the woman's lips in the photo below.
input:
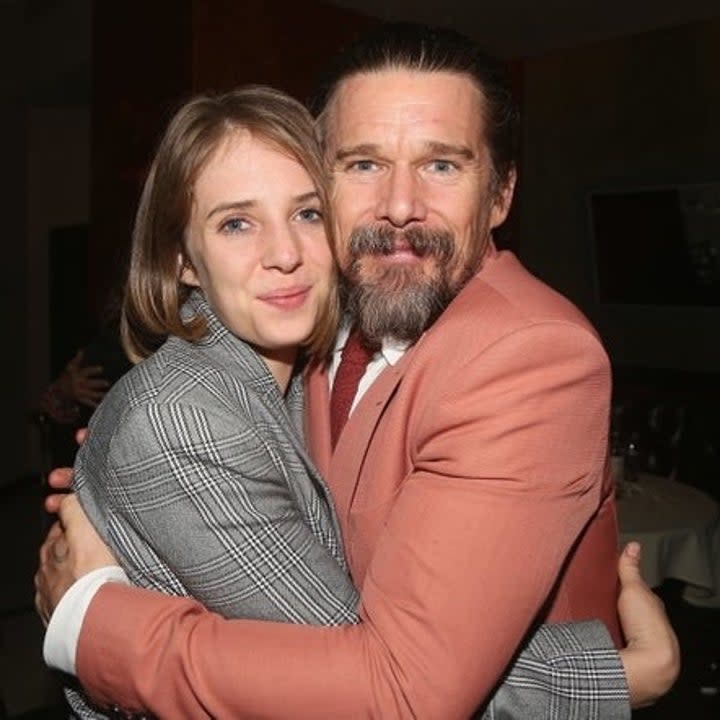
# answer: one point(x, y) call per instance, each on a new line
point(287, 298)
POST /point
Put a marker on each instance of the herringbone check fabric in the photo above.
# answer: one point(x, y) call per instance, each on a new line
point(354, 359)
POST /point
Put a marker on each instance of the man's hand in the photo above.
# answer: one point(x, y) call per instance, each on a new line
point(71, 549)
point(49, 585)
point(58, 479)
point(652, 655)
point(61, 478)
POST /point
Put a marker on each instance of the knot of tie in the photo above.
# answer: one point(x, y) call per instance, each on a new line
point(354, 359)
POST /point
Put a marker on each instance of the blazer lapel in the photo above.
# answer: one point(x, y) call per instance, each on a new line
point(346, 463)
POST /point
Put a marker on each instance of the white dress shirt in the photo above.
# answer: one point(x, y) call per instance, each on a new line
point(389, 354)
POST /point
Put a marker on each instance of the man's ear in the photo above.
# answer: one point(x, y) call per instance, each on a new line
point(186, 271)
point(503, 200)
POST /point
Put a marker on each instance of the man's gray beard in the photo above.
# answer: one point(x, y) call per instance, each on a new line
point(399, 302)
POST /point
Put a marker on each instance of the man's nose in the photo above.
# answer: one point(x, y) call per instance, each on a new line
point(401, 201)
point(282, 249)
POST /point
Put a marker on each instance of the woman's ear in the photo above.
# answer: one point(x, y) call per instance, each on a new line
point(186, 271)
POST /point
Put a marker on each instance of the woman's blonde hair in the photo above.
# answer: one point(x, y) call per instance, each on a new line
point(153, 293)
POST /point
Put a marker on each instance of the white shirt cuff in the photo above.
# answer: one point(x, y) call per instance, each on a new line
point(63, 630)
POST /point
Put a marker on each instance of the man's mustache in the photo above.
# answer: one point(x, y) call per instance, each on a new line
point(382, 240)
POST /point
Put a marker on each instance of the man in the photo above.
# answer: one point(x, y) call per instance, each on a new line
point(470, 479)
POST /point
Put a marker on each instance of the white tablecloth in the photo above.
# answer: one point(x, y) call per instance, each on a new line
point(679, 529)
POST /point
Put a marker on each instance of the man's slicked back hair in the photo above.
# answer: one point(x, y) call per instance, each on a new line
point(416, 47)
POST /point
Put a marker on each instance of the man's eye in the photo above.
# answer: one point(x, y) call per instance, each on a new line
point(310, 215)
point(442, 166)
point(234, 225)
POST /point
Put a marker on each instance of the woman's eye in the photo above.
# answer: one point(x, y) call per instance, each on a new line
point(310, 215)
point(234, 225)
point(362, 166)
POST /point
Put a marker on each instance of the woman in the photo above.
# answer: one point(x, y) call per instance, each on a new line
point(194, 471)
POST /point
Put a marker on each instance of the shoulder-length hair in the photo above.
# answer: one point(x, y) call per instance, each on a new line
point(154, 294)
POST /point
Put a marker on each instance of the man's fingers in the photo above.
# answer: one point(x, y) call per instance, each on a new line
point(53, 502)
point(80, 435)
point(629, 563)
point(59, 550)
point(53, 555)
point(40, 606)
point(638, 604)
point(54, 533)
point(53, 546)
point(60, 478)
point(69, 508)
point(652, 655)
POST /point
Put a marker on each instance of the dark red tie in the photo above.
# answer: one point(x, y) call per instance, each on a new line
point(353, 361)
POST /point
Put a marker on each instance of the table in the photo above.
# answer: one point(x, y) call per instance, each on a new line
point(679, 529)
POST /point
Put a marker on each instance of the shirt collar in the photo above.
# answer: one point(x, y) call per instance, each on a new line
point(392, 350)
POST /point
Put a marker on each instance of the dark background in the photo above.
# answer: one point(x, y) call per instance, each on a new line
point(614, 95)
